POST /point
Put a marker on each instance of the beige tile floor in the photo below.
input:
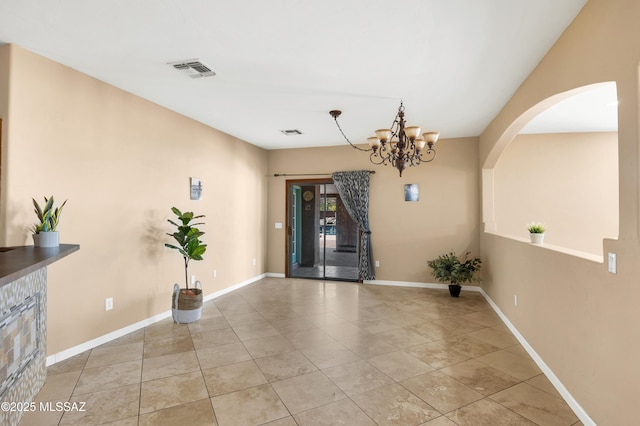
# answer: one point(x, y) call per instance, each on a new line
point(302, 352)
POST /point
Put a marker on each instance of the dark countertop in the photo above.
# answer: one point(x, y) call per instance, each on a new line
point(16, 262)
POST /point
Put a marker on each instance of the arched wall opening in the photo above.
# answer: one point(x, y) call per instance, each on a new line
point(558, 164)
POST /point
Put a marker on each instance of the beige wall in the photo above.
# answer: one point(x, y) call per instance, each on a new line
point(578, 317)
point(568, 181)
point(404, 234)
point(4, 109)
point(122, 162)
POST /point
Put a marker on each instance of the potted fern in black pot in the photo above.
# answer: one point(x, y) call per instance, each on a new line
point(186, 303)
point(448, 268)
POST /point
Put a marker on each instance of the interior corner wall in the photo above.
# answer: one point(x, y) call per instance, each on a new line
point(568, 181)
point(4, 110)
point(122, 163)
point(579, 318)
point(404, 234)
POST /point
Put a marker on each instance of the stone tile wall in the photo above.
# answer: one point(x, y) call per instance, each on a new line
point(22, 343)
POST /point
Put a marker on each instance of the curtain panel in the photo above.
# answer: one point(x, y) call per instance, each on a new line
point(353, 188)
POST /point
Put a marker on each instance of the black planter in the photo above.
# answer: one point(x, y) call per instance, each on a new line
point(454, 290)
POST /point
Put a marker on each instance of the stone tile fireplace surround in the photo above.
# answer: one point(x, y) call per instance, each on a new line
point(23, 325)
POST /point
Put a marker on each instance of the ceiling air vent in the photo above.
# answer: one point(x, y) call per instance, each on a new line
point(291, 132)
point(193, 68)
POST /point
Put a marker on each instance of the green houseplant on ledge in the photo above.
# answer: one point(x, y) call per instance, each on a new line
point(448, 268)
point(536, 232)
point(44, 232)
point(186, 303)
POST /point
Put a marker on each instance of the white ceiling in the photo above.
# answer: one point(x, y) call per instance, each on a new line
point(283, 64)
point(594, 110)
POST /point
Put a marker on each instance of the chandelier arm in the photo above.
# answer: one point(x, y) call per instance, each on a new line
point(396, 121)
point(407, 157)
point(413, 156)
point(430, 155)
point(384, 152)
point(395, 126)
point(347, 139)
point(376, 162)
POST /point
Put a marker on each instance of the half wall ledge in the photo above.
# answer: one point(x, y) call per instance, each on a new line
point(577, 253)
point(23, 324)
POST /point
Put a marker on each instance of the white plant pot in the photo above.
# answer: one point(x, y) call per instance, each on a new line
point(46, 239)
point(186, 309)
point(186, 317)
point(536, 238)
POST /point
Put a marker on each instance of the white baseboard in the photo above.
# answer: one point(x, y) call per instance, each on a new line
point(569, 399)
point(232, 288)
point(68, 353)
point(419, 285)
point(573, 404)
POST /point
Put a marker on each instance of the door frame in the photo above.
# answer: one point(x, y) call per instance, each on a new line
point(289, 183)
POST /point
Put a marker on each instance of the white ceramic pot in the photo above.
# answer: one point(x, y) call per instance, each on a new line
point(46, 239)
point(536, 238)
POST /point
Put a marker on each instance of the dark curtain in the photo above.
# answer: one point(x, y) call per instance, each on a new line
point(353, 188)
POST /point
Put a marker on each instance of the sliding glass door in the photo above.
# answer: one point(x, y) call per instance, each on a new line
point(322, 237)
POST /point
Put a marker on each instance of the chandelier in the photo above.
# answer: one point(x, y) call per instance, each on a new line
point(400, 146)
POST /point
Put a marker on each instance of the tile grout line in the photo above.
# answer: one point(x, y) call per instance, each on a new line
point(261, 308)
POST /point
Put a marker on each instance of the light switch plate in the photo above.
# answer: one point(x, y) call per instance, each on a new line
point(612, 263)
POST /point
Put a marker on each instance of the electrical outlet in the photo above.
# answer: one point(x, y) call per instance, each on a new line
point(214, 274)
point(377, 263)
point(515, 300)
point(254, 261)
point(193, 279)
point(108, 303)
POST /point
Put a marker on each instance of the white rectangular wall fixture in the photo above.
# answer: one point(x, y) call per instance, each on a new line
point(612, 263)
point(195, 189)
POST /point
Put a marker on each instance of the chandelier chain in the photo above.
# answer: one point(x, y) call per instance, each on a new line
point(347, 139)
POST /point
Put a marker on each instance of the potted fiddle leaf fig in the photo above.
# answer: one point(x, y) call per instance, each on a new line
point(44, 232)
point(449, 268)
point(186, 303)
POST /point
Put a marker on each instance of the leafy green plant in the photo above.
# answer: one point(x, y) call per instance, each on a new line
point(449, 268)
point(188, 238)
point(536, 228)
point(48, 216)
